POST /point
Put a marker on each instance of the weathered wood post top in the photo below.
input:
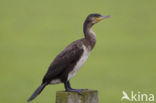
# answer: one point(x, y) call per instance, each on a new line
point(88, 96)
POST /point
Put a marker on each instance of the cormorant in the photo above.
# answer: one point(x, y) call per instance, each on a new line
point(70, 60)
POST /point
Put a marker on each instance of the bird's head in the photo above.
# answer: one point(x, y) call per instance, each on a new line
point(95, 18)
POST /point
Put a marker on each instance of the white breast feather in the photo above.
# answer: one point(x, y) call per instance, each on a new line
point(80, 63)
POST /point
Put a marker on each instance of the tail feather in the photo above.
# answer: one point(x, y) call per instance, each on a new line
point(37, 91)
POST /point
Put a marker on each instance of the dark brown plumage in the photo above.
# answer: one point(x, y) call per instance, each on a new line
point(70, 60)
point(64, 62)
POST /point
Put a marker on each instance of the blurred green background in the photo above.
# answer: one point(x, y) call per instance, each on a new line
point(33, 32)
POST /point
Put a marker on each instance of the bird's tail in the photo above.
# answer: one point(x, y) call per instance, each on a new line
point(37, 91)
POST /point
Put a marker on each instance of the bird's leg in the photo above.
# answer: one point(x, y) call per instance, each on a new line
point(68, 83)
point(68, 88)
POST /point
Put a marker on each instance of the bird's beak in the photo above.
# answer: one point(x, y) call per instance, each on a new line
point(103, 17)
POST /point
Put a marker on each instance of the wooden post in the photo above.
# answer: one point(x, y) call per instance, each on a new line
point(89, 96)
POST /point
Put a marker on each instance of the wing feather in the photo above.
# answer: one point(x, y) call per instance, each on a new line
point(67, 57)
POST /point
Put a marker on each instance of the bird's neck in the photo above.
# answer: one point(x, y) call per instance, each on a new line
point(90, 36)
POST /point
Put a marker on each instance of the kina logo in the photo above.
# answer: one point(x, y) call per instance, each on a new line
point(138, 96)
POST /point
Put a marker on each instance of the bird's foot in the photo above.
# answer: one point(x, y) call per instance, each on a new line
point(84, 89)
point(79, 91)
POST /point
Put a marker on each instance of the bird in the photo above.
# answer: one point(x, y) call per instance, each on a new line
point(125, 96)
point(71, 59)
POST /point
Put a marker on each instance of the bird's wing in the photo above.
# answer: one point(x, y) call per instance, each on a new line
point(65, 59)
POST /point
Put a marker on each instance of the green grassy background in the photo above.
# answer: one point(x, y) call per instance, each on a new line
point(33, 32)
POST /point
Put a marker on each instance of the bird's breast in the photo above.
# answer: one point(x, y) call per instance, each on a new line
point(80, 62)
